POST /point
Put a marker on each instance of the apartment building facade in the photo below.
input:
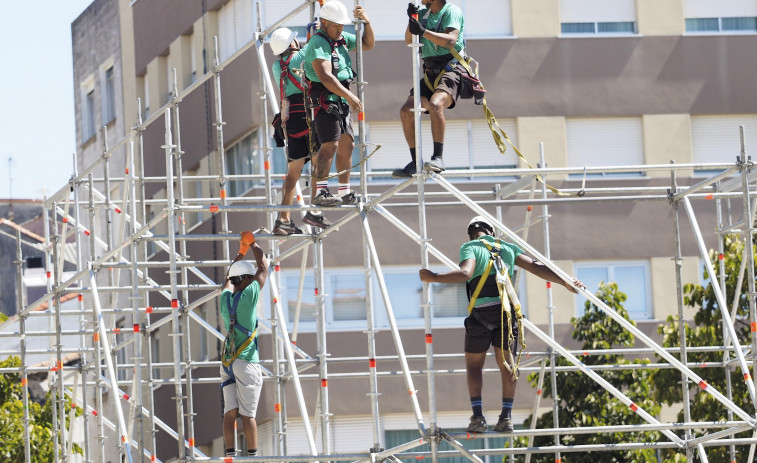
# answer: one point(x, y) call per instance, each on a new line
point(624, 83)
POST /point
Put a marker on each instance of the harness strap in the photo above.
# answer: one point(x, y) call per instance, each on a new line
point(232, 379)
point(230, 352)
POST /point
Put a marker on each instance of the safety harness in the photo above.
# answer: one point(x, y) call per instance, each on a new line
point(296, 102)
point(229, 351)
point(506, 294)
point(318, 93)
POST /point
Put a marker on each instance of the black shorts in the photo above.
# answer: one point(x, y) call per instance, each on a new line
point(298, 136)
point(483, 329)
point(449, 83)
point(329, 127)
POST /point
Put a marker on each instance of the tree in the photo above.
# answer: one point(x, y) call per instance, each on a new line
point(12, 420)
point(586, 403)
point(708, 331)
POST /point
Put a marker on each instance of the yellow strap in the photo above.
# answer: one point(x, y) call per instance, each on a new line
point(238, 351)
point(481, 280)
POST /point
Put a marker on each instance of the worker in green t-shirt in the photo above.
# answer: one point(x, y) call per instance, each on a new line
point(241, 375)
point(328, 67)
point(440, 27)
point(483, 326)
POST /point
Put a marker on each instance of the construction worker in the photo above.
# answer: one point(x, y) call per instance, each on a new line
point(440, 27)
point(241, 376)
point(484, 325)
point(284, 44)
point(328, 67)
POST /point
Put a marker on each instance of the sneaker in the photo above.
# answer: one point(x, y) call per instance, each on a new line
point(349, 199)
point(286, 228)
point(324, 198)
point(318, 220)
point(434, 165)
point(477, 424)
point(504, 425)
point(405, 172)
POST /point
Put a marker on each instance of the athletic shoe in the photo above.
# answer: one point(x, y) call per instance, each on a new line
point(324, 198)
point(405, 172)
point(349, 199)
point(477, 424)
point(434, 165)
point(286, 228)
point(316, 220)
point(504, 425)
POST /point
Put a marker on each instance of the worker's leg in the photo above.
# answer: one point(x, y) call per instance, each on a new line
point(294, 171)
point(228, 428)
point(250, 433)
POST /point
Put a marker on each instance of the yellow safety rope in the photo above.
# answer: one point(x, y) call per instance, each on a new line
point(498, 133)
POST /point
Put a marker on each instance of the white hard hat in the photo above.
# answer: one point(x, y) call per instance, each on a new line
point(281, 39)
point(240, 268)
point(335, 11)
point(480, 220)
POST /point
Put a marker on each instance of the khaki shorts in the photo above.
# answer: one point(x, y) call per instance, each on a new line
point(244, 393)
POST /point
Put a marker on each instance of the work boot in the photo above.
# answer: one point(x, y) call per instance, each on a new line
point(434, 165)
point(316, 220)
point(504, 425)
point(405, 172)
point(349, 199)
point(324, 198)
point(477, 424)
point(286, 228)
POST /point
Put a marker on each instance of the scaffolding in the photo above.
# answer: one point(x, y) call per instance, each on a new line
point(120, 235)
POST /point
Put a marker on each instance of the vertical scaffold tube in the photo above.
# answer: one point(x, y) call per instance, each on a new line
point(58, 397)
point(22, 344)
point(550, 307)
point(678, 259)
point(320, 298)
point(361, 141)
point(174, 296)
point(219, 147)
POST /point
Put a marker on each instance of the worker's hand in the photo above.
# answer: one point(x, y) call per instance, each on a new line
point(355, 104)
point(577, 283)
point(416, 28)
point(359, 13)
point(427, 276)
point(412, 10)
point(247, 238)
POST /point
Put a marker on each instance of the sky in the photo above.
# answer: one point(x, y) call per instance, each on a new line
point(36, 89)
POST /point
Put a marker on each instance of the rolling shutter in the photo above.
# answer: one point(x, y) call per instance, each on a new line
point(235, 26)
point(711, 9)
point(590, 11)
point(485, 151)
point(716, 138)
point(604, 142)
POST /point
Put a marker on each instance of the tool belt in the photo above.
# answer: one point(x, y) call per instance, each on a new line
point(318, 99)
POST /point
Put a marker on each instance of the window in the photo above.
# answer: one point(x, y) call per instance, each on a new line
point(88, 115)
point(235, 26)
point(471, 141)
point(243, 158)
point(109, 96)
point(605, 142)
point(597, 17)
point(632, 278)
point(734, 16)
point(716, 138)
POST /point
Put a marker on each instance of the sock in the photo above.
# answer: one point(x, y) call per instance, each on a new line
point(344, 188)
point(252, 452)
point(438, 150)
point(231, 452)
point(475, 403)
point(412, 154)
point(507, 408)
point(319, 185)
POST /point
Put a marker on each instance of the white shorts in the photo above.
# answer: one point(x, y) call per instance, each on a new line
point(244, 393)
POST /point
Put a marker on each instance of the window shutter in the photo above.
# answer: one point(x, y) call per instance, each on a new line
point(388, 18)
point(235, 26)
point(492, 20)
point(485, 151)
point(394, 153)
point(710, 9)
point(604, 142)
point(582, 11)
point(716, 138)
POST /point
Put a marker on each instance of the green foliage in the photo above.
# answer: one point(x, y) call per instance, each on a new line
point(585, 403)
point(12, 420)
point(708, 331)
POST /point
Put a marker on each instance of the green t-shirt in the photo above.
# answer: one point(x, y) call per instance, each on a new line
point(451, 17)
point(476, 250)
point(246, 316)
point(294, 63)
point(319, 47)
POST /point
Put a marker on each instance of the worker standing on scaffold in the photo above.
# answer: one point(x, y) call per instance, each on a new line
point(494, 312)
point(440, 27)
point(241, 376)
point(285, 45)
point(328, 67)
